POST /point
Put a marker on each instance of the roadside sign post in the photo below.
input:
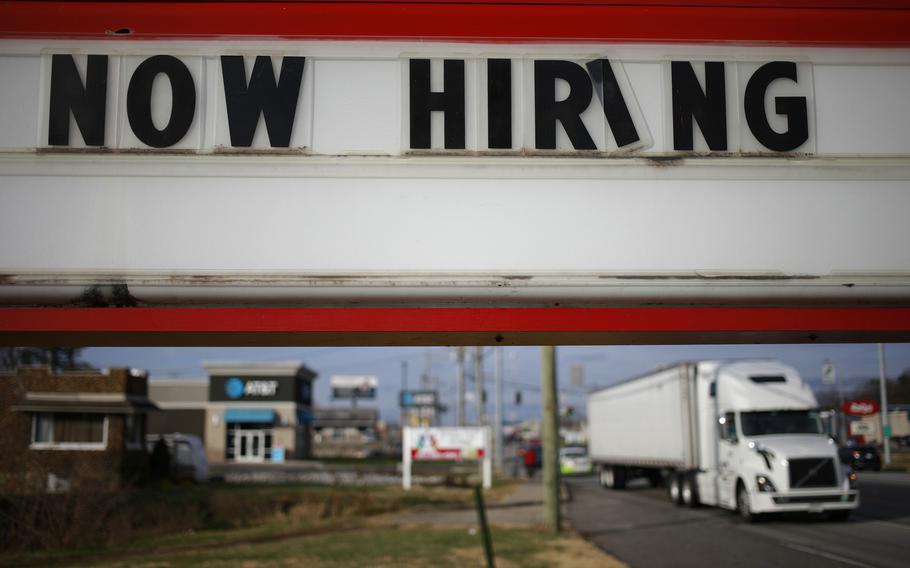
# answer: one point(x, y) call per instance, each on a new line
point(406, 458)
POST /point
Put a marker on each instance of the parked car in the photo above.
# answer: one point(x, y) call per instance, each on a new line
point(574, 460)
point(187, 456)
point(860, 457)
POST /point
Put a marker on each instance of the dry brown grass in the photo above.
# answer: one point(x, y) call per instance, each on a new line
point(575, 552)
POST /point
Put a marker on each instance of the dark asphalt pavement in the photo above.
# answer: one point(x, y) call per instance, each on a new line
point(642, 528)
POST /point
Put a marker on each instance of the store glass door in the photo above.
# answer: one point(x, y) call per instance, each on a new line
point(250, 445)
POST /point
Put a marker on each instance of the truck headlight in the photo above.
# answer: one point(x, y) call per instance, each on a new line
point(764, 484)
point(850, 478)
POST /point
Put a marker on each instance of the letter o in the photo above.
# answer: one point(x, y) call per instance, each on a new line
point(139, 101)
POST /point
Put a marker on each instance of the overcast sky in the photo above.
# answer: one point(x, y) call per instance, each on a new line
point(603, 365)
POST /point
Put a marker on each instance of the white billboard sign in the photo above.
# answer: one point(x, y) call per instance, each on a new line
point(446, 444)
point(354, 386)
point(357, 172)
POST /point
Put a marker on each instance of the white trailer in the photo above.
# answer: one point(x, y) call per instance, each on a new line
point(742, 435)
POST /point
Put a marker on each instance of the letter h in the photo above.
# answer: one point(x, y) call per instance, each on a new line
point(450, 101)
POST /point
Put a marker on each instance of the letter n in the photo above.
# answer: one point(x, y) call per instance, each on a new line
point(708, 108)
point(87, 102)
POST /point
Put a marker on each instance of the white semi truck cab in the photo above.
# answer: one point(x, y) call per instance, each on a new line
point(743, 435)
point(772, 453)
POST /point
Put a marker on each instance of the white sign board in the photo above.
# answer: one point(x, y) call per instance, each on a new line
point(582, 172)
point(449, 444)
point(829, 374)
point(863, 428)
point(354, 386)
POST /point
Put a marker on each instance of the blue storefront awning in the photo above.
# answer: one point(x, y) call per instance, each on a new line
point(253, 415)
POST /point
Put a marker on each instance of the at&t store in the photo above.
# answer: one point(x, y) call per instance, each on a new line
point(243, 412)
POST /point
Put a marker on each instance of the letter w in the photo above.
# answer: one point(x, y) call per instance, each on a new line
point(276, 102)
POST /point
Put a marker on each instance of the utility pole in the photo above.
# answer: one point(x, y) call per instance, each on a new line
point(478, 385)
point(427, 415)
point(459, 386)
point(497, 412)
point(882, 382)
point(550, 433)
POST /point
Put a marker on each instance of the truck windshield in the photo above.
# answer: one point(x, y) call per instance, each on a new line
point(780, 422)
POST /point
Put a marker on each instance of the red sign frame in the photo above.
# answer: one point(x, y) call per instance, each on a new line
point(844, 23)
point(448, 326)
point(882, 23)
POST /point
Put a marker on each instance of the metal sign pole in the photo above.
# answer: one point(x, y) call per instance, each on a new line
point(487, 463)
point(882, 381)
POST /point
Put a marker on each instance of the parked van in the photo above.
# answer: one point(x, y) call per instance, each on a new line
point(187, 453)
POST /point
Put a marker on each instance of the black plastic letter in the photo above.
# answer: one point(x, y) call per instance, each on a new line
point(547, 110)
point(793, 107)
point(617, 112)
point(276, 102)
point(139, 101)
point(708, 107)
point(499, 103)
point(87, 102)
point(450, 101)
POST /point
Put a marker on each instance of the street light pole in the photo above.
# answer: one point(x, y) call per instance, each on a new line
point(479, 386)
point(459, 387)
point(882, 382)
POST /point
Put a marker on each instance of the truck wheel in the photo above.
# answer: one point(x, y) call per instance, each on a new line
point(613, 477)
point(619, 477)
point(655, 479)
point(607, 480)
point(743, 506)
point(689, 491)
point(674, 488)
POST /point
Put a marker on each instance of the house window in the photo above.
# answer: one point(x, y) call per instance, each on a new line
point(69, 431)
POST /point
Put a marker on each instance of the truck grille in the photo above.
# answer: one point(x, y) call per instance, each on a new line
point(812, 472)
point(835, 498)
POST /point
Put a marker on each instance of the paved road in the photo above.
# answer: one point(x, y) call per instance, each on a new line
point(641, 527)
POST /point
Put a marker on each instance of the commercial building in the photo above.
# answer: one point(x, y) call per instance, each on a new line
point(347, 432)
point(73, 429)
point(243, 412)
point(869, 428)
